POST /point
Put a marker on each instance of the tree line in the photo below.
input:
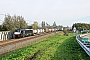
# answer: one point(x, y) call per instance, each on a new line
point(81, 26)
point(11, 23)
point(44, 24)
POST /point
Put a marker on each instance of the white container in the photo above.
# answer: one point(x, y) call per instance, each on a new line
point(35, 31)
point(50, 30)
point(43, 30)
point(53, 30)
point(38, 31)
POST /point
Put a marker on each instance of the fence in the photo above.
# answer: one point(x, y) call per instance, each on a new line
point(5, 35)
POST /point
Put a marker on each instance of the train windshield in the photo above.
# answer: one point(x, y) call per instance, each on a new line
point(17, 30)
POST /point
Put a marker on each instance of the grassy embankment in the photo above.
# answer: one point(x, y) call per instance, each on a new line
point(56, 47)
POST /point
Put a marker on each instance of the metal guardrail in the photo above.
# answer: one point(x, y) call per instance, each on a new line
point(83, 45)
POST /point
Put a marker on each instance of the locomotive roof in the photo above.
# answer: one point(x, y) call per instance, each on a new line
point(24, 29)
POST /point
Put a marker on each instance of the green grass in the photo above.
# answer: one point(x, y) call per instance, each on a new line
point(54, 48)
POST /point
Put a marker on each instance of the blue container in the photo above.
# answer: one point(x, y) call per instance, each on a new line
point(85, 40)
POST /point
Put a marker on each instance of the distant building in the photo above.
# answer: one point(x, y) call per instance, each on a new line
point(85, 31)
point(74, 29)
point(76, 32)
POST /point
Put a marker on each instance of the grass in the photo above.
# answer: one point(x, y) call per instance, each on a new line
point(57, 47)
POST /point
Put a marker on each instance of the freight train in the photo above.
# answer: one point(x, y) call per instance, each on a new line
point(19, 33)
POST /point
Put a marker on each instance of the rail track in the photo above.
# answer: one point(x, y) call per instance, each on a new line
point(13, 44)
point(6, 42)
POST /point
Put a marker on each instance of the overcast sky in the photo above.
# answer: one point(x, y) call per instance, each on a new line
point(63, 12)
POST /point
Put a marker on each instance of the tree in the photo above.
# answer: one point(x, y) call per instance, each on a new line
point(65, 32)
point(54, 25)
point(59, 26)
point(30, 27)
point(14, 22)
point(35, 25)
point(7, 22)
point(81, 26)
point(22, 23)
point(43, 24)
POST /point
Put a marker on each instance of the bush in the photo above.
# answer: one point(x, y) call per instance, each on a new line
point(65, 32)
point(60, 33)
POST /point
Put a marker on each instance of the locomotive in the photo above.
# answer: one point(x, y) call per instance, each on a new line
point(23, 33)
point(19, 33)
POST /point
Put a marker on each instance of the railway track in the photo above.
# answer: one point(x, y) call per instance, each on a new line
point(13, 44)
point(6, 42)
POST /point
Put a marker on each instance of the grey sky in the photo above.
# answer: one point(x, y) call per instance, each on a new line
point(63, 12)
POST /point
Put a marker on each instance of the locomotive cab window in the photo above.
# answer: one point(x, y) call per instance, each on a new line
point(17, 30)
